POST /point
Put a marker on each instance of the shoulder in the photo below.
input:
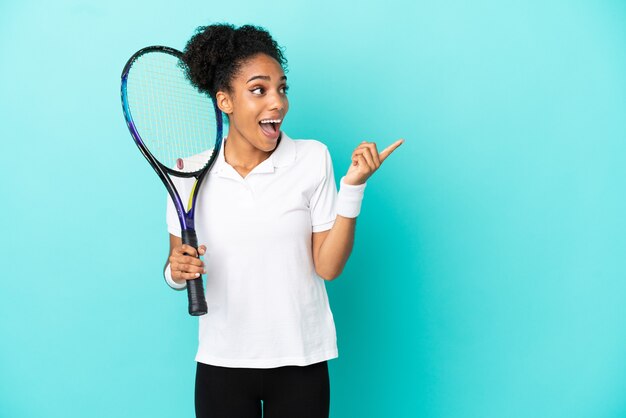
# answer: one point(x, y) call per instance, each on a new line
point(314, 155)
point(306, 146)
point(310, 151)
point(313, 159)
point(310, 146)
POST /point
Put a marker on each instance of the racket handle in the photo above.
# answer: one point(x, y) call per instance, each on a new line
point(195, 291)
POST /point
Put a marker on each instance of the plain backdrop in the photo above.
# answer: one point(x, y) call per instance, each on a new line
point(488, 275)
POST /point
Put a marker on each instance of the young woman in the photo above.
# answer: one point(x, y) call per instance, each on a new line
point(273, 229)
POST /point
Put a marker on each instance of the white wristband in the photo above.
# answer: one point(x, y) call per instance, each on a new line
point(349, 199)
point(170, 282)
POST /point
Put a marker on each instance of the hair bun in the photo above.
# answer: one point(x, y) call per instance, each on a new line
point(214, 53)
point(208, 47)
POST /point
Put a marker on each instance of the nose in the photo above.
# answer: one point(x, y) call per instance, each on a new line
point(277, 101)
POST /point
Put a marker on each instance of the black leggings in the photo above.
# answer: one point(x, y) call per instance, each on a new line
point(287, 392)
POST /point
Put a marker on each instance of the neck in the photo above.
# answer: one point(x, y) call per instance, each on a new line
point(238, 152)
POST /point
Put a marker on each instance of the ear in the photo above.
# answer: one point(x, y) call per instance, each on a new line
point(224, 102)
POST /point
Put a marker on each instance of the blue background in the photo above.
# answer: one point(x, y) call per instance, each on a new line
point(488, 275)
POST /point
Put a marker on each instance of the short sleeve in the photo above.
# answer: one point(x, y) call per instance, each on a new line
point(323, 211)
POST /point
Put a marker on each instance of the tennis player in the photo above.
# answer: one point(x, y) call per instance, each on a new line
point(273, 230)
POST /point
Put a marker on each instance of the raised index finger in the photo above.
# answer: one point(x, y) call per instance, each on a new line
point(391, 148)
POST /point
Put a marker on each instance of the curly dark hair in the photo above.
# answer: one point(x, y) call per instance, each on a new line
point(215, 53)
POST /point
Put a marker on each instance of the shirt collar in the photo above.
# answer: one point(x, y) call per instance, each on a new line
point(283, 155)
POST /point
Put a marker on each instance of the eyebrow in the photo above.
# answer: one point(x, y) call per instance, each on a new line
point(264, 77)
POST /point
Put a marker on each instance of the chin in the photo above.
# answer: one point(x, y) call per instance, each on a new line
point(269, 144)
point(270, 147)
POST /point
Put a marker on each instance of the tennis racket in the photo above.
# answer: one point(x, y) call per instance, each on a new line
point(178, 130)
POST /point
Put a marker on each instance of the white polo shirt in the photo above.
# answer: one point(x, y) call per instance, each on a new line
point(267, 307)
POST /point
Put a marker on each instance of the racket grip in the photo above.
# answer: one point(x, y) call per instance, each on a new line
point(195, 291)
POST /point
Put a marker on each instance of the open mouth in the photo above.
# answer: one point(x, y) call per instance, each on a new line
point(270, 127)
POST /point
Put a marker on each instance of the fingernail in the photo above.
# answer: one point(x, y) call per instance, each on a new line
point(197, 274)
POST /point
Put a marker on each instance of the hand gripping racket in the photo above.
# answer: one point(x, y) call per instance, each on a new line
point(178, 130)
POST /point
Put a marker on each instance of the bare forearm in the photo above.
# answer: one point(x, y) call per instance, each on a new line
point(336, 248)
point(331, 249)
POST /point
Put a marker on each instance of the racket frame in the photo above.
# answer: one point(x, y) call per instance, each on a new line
point(185, 217)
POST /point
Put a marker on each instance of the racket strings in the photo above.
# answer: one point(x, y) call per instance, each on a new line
point(176, 123)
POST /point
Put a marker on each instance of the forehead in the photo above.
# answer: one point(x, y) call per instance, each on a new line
point(260, 64)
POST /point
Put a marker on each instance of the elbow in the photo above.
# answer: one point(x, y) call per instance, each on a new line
point(328, 276)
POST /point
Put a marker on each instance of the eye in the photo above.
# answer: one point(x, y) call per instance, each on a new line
point(284, 89)
point(257, 90)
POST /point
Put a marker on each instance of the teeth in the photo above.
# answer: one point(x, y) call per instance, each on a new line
point(271, 121)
